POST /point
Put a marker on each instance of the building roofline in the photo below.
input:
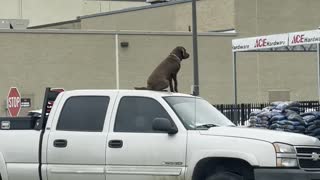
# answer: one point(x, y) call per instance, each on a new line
point(54, 24)
point(223, 30)
point(76, 31)
point(114, 32)
point(170, 3)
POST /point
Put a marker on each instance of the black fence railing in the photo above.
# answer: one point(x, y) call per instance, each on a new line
point(241, 112)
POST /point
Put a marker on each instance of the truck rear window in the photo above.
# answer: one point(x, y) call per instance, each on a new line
point(83, 113)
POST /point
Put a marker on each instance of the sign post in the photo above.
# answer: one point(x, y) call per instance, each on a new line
point(196, 89)
point(14, 102)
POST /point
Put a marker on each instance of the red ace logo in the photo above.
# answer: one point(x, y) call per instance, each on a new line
point(261, 43)
point(298, 39)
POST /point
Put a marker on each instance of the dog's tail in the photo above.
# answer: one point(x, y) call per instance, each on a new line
point(141, 88)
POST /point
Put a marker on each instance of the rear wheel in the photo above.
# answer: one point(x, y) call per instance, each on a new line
point(224, 175)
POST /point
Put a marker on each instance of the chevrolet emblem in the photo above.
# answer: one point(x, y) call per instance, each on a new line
point(315, 156)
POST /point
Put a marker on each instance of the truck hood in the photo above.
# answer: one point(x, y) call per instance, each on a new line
point(263, 135)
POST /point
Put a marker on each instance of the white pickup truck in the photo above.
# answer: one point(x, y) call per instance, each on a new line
point(148, 135)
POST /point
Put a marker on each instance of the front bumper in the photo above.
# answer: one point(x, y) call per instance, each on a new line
point(285, 174)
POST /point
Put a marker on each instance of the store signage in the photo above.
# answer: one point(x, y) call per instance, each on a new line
point(304, 37)
point(261, 42)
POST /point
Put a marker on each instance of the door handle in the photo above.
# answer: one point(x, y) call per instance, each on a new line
point(115, 144)
point(60, 143)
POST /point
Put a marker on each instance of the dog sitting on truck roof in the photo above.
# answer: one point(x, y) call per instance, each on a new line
point(166, 72)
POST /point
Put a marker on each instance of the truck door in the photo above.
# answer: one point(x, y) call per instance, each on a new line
point(76, 145)
point(135, 151)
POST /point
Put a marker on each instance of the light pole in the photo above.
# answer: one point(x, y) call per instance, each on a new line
point(20, 9)
point(196, 89)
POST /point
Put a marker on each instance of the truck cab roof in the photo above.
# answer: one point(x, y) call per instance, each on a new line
point(124, 91)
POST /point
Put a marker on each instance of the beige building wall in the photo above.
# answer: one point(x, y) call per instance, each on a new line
point(9, 9)
point(293, 72)
point(145, 52)
point(295, 15)
point(92, 7)
point(133, 20)
point(48, 11)
point(212, 15)
point(41, 12)
point(261, 17)
point(33, 60)
point(258, 73)
point(73, 24)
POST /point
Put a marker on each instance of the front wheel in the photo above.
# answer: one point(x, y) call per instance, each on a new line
point(224, 176)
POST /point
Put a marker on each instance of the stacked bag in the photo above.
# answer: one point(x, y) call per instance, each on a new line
point(257, 120)
point(312, 120)
point(285, 116)
point(280, 116)
point(288, 118)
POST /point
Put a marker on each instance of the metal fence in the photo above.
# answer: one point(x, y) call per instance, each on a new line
point(241, 112)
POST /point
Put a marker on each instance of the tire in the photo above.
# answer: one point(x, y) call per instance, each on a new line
point(224, 176)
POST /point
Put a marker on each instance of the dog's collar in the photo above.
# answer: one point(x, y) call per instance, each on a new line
point(175, 56)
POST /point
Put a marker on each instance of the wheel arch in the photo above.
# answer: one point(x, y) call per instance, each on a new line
point(209, 165)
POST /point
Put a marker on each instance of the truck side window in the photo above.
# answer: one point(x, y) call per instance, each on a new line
point(83, 113)
point(135, 114)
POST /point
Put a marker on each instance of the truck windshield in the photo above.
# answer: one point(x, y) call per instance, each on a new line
point(196, 113)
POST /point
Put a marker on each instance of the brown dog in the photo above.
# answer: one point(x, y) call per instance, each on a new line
point(161, 78)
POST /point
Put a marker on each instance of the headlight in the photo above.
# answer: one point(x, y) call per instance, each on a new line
point(286, 155)
point(284, 148)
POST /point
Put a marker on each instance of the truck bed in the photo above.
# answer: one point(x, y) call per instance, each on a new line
point(20, 146)
point(18, 123)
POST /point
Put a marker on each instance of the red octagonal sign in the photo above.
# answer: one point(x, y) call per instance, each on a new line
point(14, 102)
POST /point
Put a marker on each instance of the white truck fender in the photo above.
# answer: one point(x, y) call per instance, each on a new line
point(3, 168)
point(251, 159)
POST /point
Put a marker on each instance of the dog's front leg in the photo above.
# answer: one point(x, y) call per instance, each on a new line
point(170, 84)
point(174, 77)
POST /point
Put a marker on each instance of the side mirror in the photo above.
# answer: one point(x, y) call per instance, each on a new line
point(163, 124)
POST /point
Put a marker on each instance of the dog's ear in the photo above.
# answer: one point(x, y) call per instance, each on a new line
point(177, 52)
point(183, 50)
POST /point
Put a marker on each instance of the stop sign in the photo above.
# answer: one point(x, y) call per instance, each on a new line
point(14, 102)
